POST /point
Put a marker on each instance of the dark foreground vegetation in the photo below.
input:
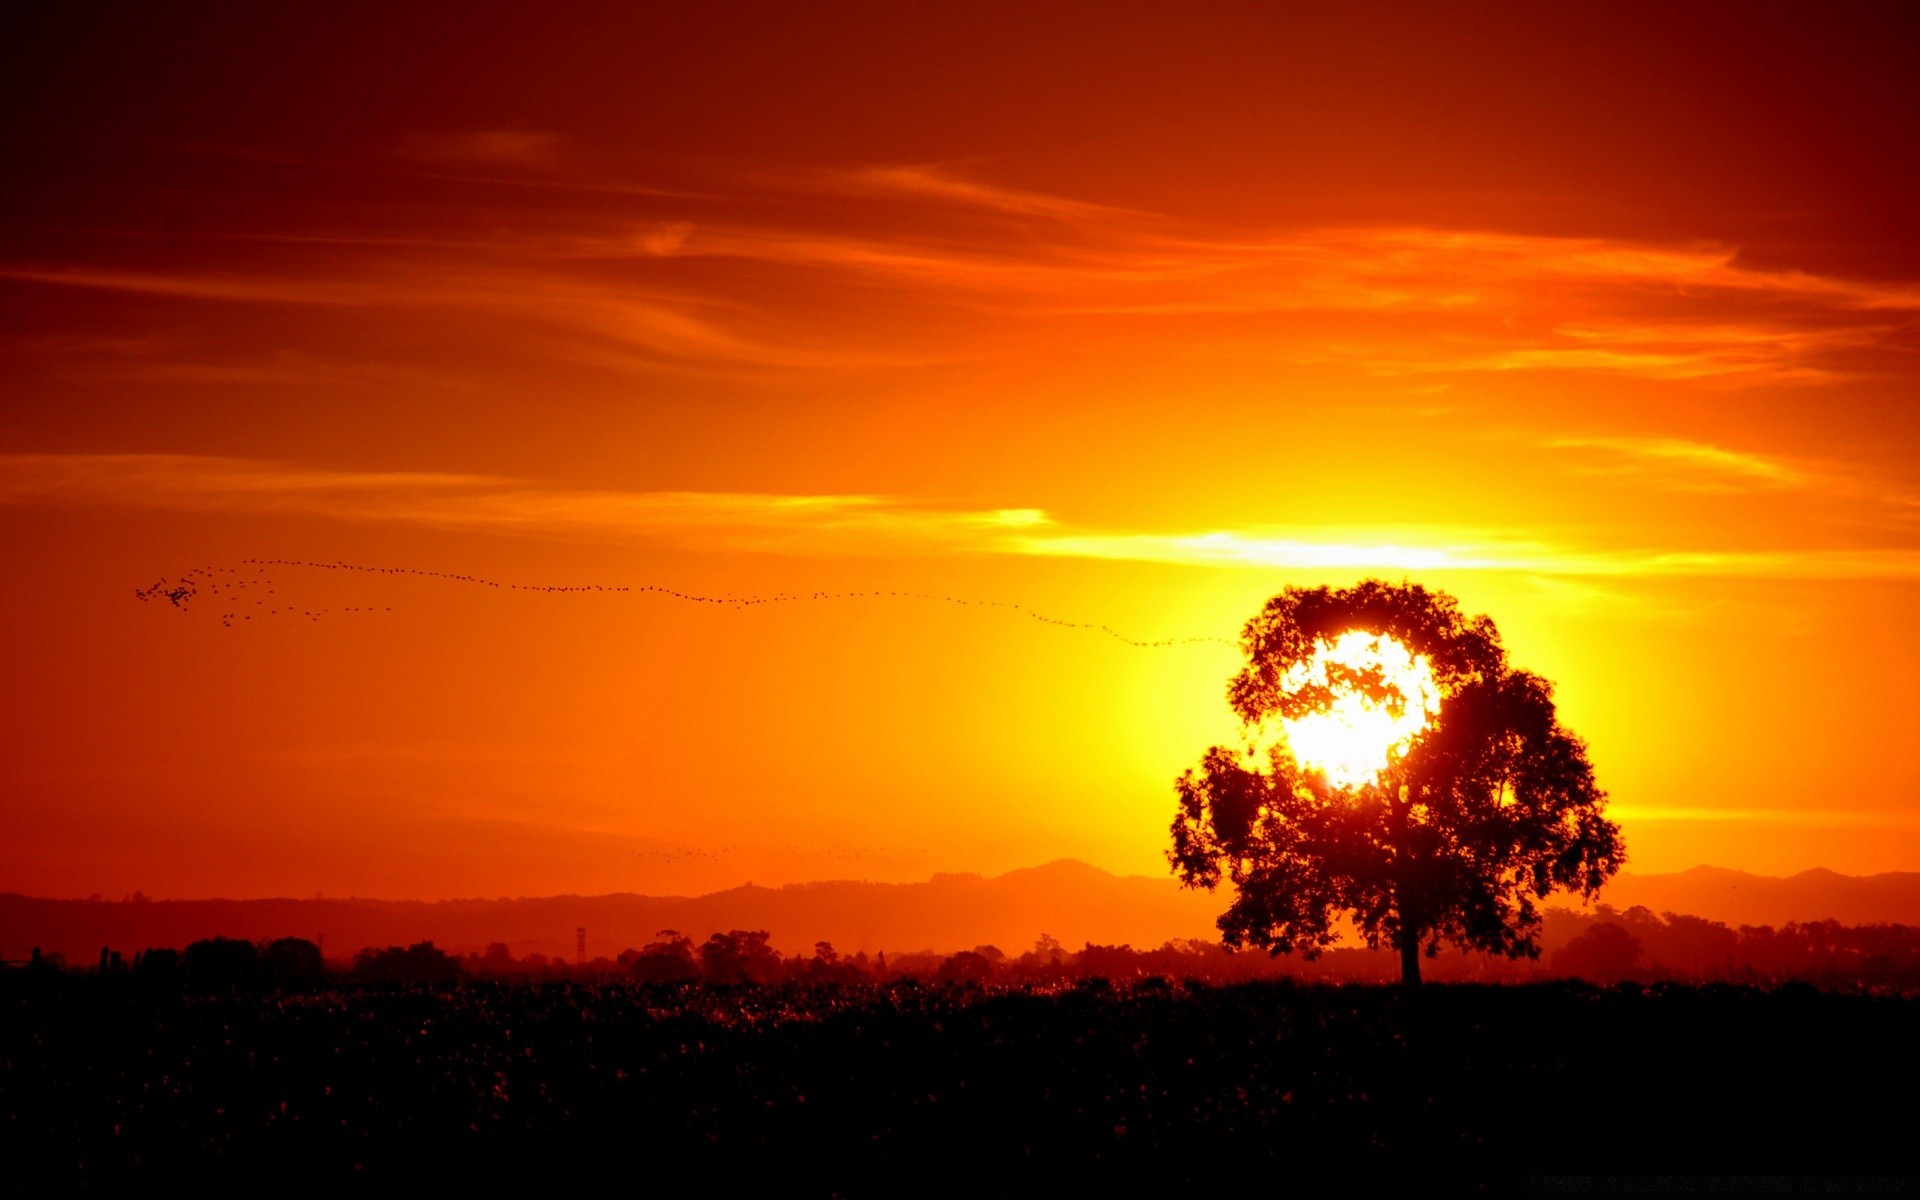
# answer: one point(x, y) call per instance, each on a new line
point(916, 1085)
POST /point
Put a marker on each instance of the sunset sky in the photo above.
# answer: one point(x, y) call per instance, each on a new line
point(1605, 319)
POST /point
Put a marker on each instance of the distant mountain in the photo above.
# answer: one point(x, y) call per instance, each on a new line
point(1737, 898)
point(1068, 900)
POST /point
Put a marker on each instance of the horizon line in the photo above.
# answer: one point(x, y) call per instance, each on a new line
point(138, 897)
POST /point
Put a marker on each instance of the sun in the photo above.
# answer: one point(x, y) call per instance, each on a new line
point(1382, 695)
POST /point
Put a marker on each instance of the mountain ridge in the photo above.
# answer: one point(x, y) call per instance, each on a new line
point(1065, 898)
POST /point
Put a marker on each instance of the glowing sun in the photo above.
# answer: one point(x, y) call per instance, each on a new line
point(1382, 694)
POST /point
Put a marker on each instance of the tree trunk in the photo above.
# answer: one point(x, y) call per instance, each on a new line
point(1404, 907)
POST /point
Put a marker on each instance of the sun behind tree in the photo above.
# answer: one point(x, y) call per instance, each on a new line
point(1397, 770)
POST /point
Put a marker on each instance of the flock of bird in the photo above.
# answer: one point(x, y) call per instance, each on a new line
point(230, 582)
point(682, 854)
point(251, 576)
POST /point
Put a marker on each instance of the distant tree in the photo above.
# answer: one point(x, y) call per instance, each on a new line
point(669, 960)
point(1107, 962)
point(1604, 953)
point(293, 962)
point(1489, 807)
point(422, 962)
point(221, 963)
point(1047, 958)
point(828, 964)
point(968, 966)
point(739, 956)
point(160, 967)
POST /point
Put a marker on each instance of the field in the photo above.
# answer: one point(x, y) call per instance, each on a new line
point(912, 1085)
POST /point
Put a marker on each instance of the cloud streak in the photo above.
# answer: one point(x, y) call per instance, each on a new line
point(1816, 818)
point(859, 524)
point(1692, 465)
point(900, 265)
point(702, 520)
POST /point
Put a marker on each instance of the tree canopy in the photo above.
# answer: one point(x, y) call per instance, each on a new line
point(1485, 810)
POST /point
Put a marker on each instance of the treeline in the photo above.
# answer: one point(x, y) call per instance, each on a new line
point(1606, 946)
point(1610, 946)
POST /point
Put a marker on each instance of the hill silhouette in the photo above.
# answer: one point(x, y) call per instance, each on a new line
point(1069, 900)
point(1737, 898)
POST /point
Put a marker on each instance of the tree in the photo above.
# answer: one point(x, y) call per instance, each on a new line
point(1605, 953)
point(739, 956)
point(222, 963)
point(967, 966)
point(293, 962)
point(422, 962)
point(1489, 806)
point(669, 960)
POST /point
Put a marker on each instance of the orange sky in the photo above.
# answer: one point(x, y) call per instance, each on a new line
point(1603, 319)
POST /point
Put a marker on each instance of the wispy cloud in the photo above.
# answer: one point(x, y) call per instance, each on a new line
point(1454, 550)
point(718, 520)
point(1679, 464)
point(933, 181)
point(586, 318)
point(511, 147)
point(1496, 302)
point(1692, 465)
point(901, 264)
point(1829, 818)
point(861, 524)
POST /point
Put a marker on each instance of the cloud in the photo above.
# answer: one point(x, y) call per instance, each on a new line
point(1240, 549)
point(700, 520)
point(1449, 550)
point(486, 147)
point(858, 524)
point(232, 288)
point(897, 265)
point(585, 319)
point(935, 182)
point(1693, 465)
point(1689, 466)
point(1806, 817)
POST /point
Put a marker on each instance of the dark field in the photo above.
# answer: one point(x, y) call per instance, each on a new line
point(913, 1086)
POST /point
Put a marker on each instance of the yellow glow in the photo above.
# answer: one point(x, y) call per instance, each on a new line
point(1351, 740)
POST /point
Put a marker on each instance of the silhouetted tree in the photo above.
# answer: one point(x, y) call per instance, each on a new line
point(160, 968)
point(293, 962)
point(220, 963)
point(669, 960)
point(965, 967)
point(1492, 805)
point(1605, 953)
point(497, 959)
point(422, 962)
point(739, 956)
point(829, 965)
